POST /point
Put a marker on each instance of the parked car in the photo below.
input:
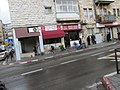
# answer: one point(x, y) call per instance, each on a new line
point(3, 52)
point(3, 55)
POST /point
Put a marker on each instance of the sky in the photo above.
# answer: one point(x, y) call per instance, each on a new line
point(4, 11)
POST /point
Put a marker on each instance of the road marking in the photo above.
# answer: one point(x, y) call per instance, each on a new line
point(115, 60)
point(94, 85)
point(106, 57)
point(112, 50)
point(97, 54)
point(70, 61)
point(23, 74)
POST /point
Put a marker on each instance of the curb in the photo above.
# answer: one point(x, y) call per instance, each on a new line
point(107, 83)
point(24, 62)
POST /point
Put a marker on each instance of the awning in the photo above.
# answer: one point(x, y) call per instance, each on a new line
point(112, 25)
point(23, 32)
point(52, 34)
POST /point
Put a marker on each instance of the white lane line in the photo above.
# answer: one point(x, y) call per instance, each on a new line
point(107, 57)
point(115, 60)
point(70, 61)
point(97, 54)
point(23, 74)
point(94, 85)
point(112, 50)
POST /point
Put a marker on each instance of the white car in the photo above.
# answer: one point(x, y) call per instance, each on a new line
point(3, 55)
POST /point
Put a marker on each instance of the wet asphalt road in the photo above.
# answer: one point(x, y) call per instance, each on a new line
point(75, 72)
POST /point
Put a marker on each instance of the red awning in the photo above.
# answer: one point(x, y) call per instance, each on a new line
point(52, 34)
point(23, 32)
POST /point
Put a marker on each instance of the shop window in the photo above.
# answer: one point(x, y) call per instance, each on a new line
point(74, 35)
point(51, 41)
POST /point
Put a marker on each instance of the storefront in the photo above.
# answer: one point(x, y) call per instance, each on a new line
point(28, 37)
point(112, 29)
point(52, 36)
point(72, 34)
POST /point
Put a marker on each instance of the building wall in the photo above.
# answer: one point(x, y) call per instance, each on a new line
point(1, 32)
point(115, 5)
point(110, 7)
point(90, 21)
point(31, 12)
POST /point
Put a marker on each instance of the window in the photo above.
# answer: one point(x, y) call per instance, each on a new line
point(85, 12)
point(118, 12)
point(66, 6)
point(114, 12)
point(105, 11)
point(74, 35)
point(90, 31)
point(90, 12)
point(48, 10)
point(51, 41)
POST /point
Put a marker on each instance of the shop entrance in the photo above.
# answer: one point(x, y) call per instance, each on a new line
point(70, 37)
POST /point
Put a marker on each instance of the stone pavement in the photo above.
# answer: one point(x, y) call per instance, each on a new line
point(112, 81)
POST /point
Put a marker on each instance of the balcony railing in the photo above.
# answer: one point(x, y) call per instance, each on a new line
point(106, 19)
point(104, 1)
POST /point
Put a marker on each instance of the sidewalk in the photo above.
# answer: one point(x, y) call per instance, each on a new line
point(57, 54)
point(112, 82)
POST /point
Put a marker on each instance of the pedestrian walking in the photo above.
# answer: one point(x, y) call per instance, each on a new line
point(80, 41)
point(11, 54)
point(93, 39)
point(83, 42)
point(35, 50)
point(108, 37)
point(88, 40)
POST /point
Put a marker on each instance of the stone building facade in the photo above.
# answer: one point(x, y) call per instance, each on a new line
point(1, 33)
point(32, 12)
point(108, 18)
point(72, 19)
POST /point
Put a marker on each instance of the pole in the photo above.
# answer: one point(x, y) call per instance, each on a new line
point(16, 46)
point(117, 68)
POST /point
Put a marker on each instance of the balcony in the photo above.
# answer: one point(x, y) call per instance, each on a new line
point(104, 1)
point(106, 19)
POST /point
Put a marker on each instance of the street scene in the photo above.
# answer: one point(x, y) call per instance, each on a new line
point(59, 44)
point(79, 70)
